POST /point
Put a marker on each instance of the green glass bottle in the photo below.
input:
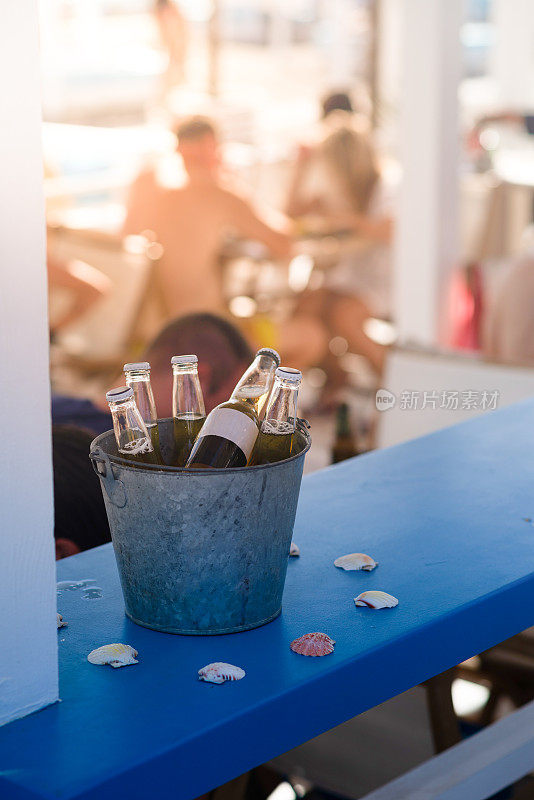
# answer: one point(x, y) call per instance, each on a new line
point(188, 409)
point(229, 433)
point(345, 444)
point(277, 434)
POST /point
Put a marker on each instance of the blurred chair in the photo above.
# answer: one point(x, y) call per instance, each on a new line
point(378, 745)
point(121, 322)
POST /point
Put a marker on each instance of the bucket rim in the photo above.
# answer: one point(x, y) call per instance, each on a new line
point(303, 427)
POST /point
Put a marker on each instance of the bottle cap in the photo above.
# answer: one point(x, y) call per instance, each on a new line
point(268, 351)
point(181, 360)
point(121, 393)
point(138, 365)
point(289, 374)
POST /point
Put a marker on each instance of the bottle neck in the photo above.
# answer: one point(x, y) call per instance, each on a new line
point(139, 380)
point(129, 427)
point(187, 395)
point(343, 421)
point(255, 384)
point(281, 411)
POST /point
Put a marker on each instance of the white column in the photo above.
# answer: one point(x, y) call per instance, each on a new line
point(389, 44)
point(28, 649)
point(427, 231)
point(513, 54)
point(341, 58)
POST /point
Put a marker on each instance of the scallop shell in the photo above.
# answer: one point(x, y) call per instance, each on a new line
point(117, 655)
point(356, 561)
point(219, 672)
point(60, 622)
point(376, 599)
point(313, 644)
point(294, 549)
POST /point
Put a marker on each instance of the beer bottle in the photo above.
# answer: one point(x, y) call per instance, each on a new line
point(229, 433)
point(344, 444)
point(137, 376)
point(187, 406)
point(255, 384)
point(277, 434)
point(131, 434)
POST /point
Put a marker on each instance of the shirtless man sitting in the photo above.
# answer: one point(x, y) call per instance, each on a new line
point(191, 219)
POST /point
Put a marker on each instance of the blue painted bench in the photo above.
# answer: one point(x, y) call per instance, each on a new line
point(444, 516)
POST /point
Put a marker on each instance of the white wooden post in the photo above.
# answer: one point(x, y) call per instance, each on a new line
point(28, 646)
point(427, 231)
point(513, 56)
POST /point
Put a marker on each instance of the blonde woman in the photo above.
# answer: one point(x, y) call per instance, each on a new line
point(339, 182)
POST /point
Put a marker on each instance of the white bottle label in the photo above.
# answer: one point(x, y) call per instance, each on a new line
point(233, 425)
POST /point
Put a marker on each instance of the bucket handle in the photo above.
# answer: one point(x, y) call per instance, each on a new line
point(115, 488)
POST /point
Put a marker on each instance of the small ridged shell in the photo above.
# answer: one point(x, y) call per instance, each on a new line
point(356, 561)
point(376, 599)
point(60, 622)
point(294, 549)
point(313, 644)
point(219, 672)
point(117, 655)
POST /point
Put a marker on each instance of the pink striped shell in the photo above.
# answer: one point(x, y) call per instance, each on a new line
point(313, 644)
point(219, 672)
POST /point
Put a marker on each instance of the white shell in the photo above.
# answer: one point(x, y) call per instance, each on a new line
point(356, 561)
point(219, 672)
point(60, 622)
point(376, 599)
point(294, 549)
point(117, 655)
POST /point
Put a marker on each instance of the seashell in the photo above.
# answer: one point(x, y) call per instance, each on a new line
point(60, 622)
point(294, 549)
point(117, 655)
point(356, 561)
point(313, 644)
point(376, 599)
point(219, 672)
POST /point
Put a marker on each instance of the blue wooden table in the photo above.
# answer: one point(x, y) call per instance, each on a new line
point(444, 516)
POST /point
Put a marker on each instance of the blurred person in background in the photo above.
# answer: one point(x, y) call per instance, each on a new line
point(83, 284)
point(522, 120)
point(173, 34)
point(80, 520)
point(508, 327)
point(336, 101)
point(330, 104)
point(192, 219)
point(81, 412)
point(223, 356)
point(340, 182)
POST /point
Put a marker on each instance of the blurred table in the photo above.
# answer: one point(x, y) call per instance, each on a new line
point(444, 516)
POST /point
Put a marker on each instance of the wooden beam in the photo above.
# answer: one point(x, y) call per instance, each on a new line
point(474, 769)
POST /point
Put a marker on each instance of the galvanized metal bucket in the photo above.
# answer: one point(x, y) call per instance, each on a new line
point(200, 551)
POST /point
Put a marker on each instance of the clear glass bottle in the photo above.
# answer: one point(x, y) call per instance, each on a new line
point(256, 383)
point(277, 433)
point(137, 376)
point(229, 433)
point(131, 434)
point(188, 409)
